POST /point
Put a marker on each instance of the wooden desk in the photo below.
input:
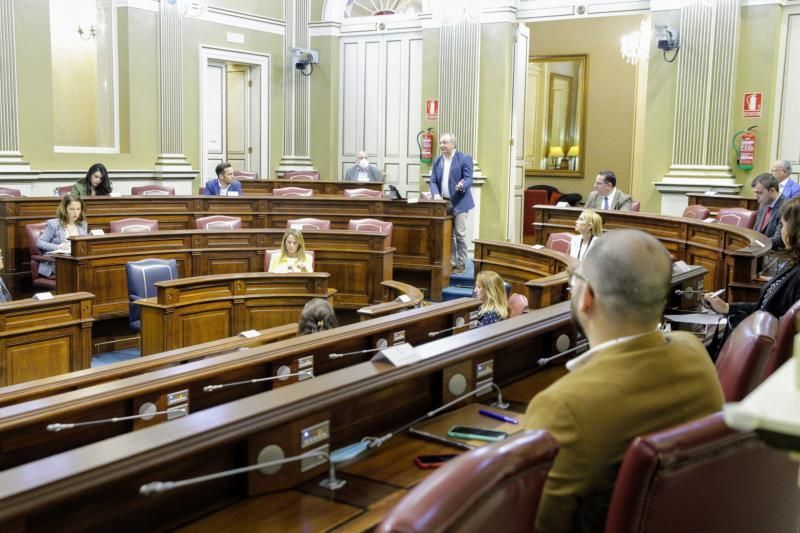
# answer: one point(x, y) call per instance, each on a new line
point(205, 308)
point(396, 297)
point(421, 233)
point(730, 254)
point(45, 338)
point(715, 202)
point(23, 426)
point(97, 486)
point(357, 261)
point(318, 186)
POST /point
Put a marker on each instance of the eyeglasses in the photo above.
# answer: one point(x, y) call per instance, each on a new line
point(572, 274)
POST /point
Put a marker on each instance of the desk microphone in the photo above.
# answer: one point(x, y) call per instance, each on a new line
point(544, 361)
point(357, 352)
point(469, 324)
point(59, 426)
point(690, 292)
point(212, 388)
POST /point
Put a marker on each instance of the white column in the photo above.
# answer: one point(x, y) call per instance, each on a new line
point(170, 84)
point(296, 92)
point(10, 154)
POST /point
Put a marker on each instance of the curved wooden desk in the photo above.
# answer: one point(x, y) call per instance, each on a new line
point(396, 297)
point(318, 186)
point(188, 311)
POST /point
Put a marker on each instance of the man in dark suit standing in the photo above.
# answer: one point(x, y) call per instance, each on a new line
point(770, 200)
point(451, 179)
point(224, 185)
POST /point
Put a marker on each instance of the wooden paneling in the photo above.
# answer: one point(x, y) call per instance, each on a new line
point(717, 201)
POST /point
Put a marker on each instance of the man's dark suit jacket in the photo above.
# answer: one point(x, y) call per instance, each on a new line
point(773, 229)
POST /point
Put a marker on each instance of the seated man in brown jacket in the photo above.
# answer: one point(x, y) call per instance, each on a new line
point(634, 379)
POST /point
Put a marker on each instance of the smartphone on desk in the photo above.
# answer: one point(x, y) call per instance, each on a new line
point(433, 461)
point(471, 433)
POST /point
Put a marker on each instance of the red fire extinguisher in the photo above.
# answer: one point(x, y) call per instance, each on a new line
point(425, 143)
point(746, 150)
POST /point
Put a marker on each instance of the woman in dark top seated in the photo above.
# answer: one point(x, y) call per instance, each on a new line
point(96, 182)
point(783, 290)
point(490, 291)
point(317, 315)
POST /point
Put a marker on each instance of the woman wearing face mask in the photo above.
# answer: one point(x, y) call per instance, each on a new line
point(96, 182)
point(490, 291)
point(54, 238)
point(589, 226)
point(292, 256)
point(362, 171)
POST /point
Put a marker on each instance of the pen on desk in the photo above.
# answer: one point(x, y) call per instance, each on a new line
point(497, 416)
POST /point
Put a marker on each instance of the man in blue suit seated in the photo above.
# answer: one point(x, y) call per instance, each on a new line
point(457, 167)
point(782, 170)
point(224, 185)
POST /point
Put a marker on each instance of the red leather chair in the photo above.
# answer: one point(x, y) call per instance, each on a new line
point(301, 175)
point(8, 192)
point(371, 224)
point(743, 357)
point(559, 242)
point(269, 253)
point(308, 223)
point(65, 190)
point(636, 205)
point(493, 488)
point(153, 190)
point(219, 222)
point(133, 225)
point(784, 339)
point(703, 476)
point(518, 304)
point(699, 212)
point(42, 282)
point(362, 193)
point(245, 175)
point(737, 216)
point(292, 191)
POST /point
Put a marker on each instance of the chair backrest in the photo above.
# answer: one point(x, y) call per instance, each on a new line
point(269, 253)
point(494, 488)
point(219, 222)
point(371, 224)
point(153, 190)
point(8, 192)
point(518, 303)
point(33, 231)
point(245, 175)
point(784, 339)
point(636, 205)
point(133, 225)
point(308, 223)
point(559, 242)
point(699, 212)
point(743, 357)
point(301, 175)
point(63, 191)
point(142, 275)
point(703, 476)
point(737, 216)
point(362, 193)
point(292, 191)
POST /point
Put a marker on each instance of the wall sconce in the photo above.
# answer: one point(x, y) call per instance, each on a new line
point(91, 33)
point(556, 153)
point(573, 153)
point(190, 8)
point(635, 46)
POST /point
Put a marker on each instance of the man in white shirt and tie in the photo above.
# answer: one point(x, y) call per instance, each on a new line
point(606, 195)
point(787, 187)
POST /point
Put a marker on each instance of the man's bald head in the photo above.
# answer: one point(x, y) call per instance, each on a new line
point(629, 272)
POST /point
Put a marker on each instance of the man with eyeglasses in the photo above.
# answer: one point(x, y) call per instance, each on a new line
point(634, 380)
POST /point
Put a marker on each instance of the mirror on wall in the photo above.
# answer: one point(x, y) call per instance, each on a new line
point(555, 116)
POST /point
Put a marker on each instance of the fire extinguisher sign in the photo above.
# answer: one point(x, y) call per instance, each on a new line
point(751, 106)
point(432, 109)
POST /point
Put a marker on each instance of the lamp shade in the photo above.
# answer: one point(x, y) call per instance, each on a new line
point(574, 151)
point(555, 151)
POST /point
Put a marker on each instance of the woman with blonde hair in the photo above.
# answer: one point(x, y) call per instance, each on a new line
point(54, 238)
point(292, 256)
point(589, 227)
point(489, 289)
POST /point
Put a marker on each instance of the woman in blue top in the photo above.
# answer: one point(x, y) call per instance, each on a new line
point(490, 291)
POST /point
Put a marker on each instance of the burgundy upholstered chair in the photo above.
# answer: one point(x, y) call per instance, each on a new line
point(494, 488)
point(743, 357)
point(699, 212)
point(292, 191)
point(371, 224)
point(133, 225)
point(152, 190)
point(703, 476)
point(737, 216)
point(636, 205)
point(518, 304)
point(65, 190)
point(219, 222)
point(245, 175)
point(41, 282)
point(269, 253)
point(308, 223)
point(301, 175)
point(362, 193)
point(784, 339)
point(559, 242)
point(8, 192)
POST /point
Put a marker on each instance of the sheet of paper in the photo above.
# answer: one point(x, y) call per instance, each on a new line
point(697, 318)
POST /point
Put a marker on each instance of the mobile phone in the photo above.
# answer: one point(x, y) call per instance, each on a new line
point(471, 433)
point(433, 461)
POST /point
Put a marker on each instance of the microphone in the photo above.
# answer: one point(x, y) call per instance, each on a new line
point(211, 388)
point(331, 482)
point(769, 265)
point(345, 354)
point(445, 330)
point(59, 426)
point(544, 361)
point(691, 291)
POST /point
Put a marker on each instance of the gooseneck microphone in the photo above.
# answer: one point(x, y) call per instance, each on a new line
point(211, 388)
point(357, 352)
point(59, 426)
point(445, 330)
point(544, 361)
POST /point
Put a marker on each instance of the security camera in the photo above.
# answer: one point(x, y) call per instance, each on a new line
point(303, 57)
point(667, 38)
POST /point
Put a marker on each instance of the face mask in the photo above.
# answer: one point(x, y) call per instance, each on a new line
point(363, 164)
